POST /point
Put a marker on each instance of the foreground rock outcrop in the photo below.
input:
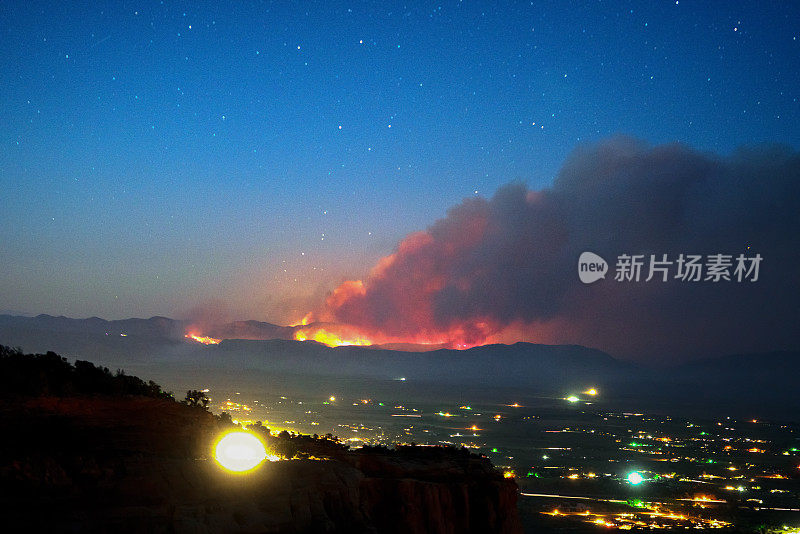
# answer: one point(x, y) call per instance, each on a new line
point(132, 463)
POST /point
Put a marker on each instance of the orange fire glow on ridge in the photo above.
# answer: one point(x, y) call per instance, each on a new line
point(307, 318)
point(395, 305)
point(336, 335)
point(331, 339)
point(203, 339)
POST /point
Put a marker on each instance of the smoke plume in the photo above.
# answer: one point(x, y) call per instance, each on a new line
point(506, 268)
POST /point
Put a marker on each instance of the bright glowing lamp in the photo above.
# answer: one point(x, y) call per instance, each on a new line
point(635, 478)
point(573, 398)
point(240, 452)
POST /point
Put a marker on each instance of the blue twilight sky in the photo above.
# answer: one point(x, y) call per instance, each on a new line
point(248, 156)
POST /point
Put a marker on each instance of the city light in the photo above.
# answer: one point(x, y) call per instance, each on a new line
point(635, 478)
point(241, 452)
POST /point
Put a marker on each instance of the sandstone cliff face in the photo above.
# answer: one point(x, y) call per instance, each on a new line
point(141, 465)
point(436, 491)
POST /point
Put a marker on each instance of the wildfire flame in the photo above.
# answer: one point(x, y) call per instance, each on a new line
point(351, 316)
point(335, 335)
point(307, 318)
point(203, 339)
point(329, 338)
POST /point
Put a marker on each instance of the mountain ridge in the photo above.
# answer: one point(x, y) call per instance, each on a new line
point(762, 382)
point(174, 330)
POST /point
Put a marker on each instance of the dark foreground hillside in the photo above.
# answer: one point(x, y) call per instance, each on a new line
point(84, 450)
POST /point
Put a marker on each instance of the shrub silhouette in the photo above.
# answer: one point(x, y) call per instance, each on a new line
point(52, 375)
point(196, 399)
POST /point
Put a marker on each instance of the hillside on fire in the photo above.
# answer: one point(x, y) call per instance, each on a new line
point(246, 353)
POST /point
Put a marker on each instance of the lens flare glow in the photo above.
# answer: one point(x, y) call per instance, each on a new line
point(635, 478)
point(241, 452)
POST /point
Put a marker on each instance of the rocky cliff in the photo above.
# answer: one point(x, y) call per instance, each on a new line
point(129, 463)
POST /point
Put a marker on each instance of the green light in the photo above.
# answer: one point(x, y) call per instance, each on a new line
point(495, 450)
point(573, 398)
point(635, 478)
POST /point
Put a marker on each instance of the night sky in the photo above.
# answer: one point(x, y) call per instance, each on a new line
point(156, 157)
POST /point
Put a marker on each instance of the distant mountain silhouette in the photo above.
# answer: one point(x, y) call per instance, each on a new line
point(519, 365)
point(750, 382)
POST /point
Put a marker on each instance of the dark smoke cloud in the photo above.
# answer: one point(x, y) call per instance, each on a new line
point(505, 268)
